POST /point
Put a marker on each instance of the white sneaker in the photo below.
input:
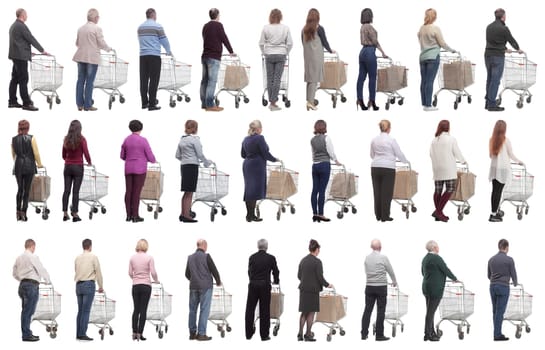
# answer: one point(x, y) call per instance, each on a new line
point(430, 109)
point(274, 108)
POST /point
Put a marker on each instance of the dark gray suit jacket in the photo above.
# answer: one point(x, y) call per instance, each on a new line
point(20, 40)
point(311, 275)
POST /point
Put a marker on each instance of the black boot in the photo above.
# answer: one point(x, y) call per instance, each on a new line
point(372, 104)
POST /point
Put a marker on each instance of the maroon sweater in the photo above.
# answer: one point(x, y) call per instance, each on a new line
point(214, 38)
point(75, 156)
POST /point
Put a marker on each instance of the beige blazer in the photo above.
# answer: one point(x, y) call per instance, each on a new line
point(89, 42)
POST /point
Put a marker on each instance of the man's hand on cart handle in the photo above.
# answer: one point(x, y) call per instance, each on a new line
point(394, 284)
point(337, 163)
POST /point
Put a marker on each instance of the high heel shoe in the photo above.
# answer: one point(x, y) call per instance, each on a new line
point(299, 337)
point(372, 104)
point(75, 217)
point(134, 336)
point(253, 218)
point(141, 337)
point(311, 106)
point(316, 218)
point(65, 217)
point(360, 104)
point(323, 218)
point(186, 219)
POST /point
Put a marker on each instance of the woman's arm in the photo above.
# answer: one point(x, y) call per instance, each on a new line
point(152, 270)
point(36, 153)
point(441, 41)
point(323, 39)
point(510, 152)
point(85, 150)
point(264, 150)
point(289, 41)
point(397, 152)
point(330, 150)
point(148, 152)
point(456, 151)
point(200, 155)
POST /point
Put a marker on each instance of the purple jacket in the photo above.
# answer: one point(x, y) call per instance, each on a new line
point(136, 152)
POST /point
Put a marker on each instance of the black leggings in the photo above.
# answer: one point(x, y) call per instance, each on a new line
point(140, 295)
point(73, 176)
point(497, 189)
point(23, 190)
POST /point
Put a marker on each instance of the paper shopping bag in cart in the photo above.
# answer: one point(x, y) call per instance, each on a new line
point(280, 185)
point(406, 184)
point(343, 186)
point(391, 78)
point(465, 186)
point(153, 186)
point(277, 305)
point(331, 309)
point(457, 75)
point(235, 78)
point(40, 188)
point(334, 75)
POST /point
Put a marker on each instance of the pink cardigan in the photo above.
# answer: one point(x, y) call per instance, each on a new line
point(141, 266)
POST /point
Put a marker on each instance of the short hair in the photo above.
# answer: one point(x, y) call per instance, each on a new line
point(135, 125)
point(384, 125)
point(366, 16)
point(19, 12)
point(29, 243)
point(431, 245)
point(23, 126)
point(201, 242)
point(150, 12)
point(499, 13)
point(443, 126)
point(430, 16)
point(503, 244)
point(275, 16)
point(376, 244)
point(142, 245)
point(92, 14)
point(262, 244)
point(86, 244)
point(213, 13)
point(313, 245)
point(320, 127)
point(254, 126)
point(191, 126)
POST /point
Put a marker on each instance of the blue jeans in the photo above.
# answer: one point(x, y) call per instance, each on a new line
point(428, 71)
point(85, 292)
point(368, 66)
point(84, 86)
point(494, 71)
point(28, 292)
point(210, 69)
point(500, 295)
point(203, 298)
point(320, 178)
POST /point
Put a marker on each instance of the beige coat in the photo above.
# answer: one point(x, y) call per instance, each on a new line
point(89, 42)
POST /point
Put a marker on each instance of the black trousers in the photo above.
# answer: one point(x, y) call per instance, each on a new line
point(19, 76)
point(258, 291)
point(73, 177)
point(431, 307)
point(374, 294)
point(497, 189)
point(23, 190)
point(140, 295)
point(150, 72)
point(383, 190)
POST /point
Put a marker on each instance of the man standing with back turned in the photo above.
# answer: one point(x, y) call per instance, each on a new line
point(497, 35)
point(501, 270)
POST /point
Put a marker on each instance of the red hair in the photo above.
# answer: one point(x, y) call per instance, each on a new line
point(444, 126)
point(498, 137)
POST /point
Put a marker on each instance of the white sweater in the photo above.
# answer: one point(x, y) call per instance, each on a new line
point(500, 165)
point(275, 40)
point(444, 153)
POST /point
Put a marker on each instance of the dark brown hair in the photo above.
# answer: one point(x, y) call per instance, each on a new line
point(275, 17)
point(444, 126)
point(191, 126)
point(502, 244)
point(72, 140)
point(313, 245)
point(498, 137)
point(23, 126)
point(320, 127)
point(313, 19)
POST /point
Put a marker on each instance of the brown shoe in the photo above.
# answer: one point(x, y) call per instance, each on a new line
point(203, 337)
point(90, 109)
point(214, 109)
point(192, 336)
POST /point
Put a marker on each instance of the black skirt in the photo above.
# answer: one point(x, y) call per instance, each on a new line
point(190, 174)
point(309, 301)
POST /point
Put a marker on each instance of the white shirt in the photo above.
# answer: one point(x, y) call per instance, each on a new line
point(444, 153)
point(28, 266)
point(385, 152)
point(500, 165)
point(275, 40)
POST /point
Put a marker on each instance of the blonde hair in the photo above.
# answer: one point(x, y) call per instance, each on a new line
point(254, 126)
point(430, 16)
point(384, 125)
point(142, 246)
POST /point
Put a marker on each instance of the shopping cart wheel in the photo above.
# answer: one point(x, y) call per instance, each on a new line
point(407, 213)
point(529, 99)
point(228, 328)
point(45, 216)
point(345, 209)
point(246, 99)
point(264, 102)
point(101, 332)
point(455, 105)
point(333, 331)
point(160, 334)
point(217, 101)
point(179, 98)
point(460, 216)
point(222, 333)
point(518, 333)
point(278, 213)
point(150, 208)
point(498, 101)
point(439, 332)
point(172, 104)
point(526, 210)
point(155, 215)
point(401, 101)
point(468, 328)
point(103, 210)
point(500, 213)
point(342, 332)
point(50, 102)
point(413, 209)
point(47, 211)
point(519, 104)
point(469, 99)
point(528, 329)
point(275, 331)
point(340, 215)
point(187, 99)
point(157, 328)
point(316, 102)
point(237, 104)
point(467, 211)
point(223, 211)
point(166, 328)
point(212, 215)
point(458, 98)
point(461, 335)
point(95, 210)
point(121, 99)
point(343, 98)
point(160, 209)
point(283, 209)
point(257, 212)
point(434, 102)
point(292, 209)
point(193, 214)
point(328, 338)
point(394, 331)
point(91, 215)
point(111, 331)
point(404, 208)
point(287, 103)
point(334, 98)
point(387, 106)
point(519, 216)
point(38, 210)
point(53, 335)
point(215, 210)
point(110, 103)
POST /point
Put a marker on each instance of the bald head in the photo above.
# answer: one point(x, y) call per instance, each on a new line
point(201, 244)
point(376, 245)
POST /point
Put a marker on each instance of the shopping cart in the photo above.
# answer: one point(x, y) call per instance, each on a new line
point(46, 77)
point(221, 307)
point(111, 75)
point(405, 187)
point(48, 309)
point(212, 186)
point(284, 83)
point(233, 77)
point(518, 190)
point(281, 184)
point(159, 308)
point(153, 189)
point(519, 307)
point(396, 307)
point(102, 312)
point(390, 79)
point(276, 308)
point(334, 78)
point(40, 190)
point(456, 306)
point(519, 74)
point(93, 187)
point(174, 76)
point(465, 189)
point(455, 74)
point(332, 310)
point(342, 186)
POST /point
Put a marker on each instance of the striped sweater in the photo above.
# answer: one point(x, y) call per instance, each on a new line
point(151, 37)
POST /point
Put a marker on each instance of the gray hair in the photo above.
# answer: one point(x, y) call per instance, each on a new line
point(262, 244)
point(92, 15)
point(254, 126)
point(19, 12)
point(431, 245)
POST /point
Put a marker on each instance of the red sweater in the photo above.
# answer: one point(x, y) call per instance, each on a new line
point(75, 156)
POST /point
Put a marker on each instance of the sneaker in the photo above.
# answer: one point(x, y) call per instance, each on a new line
point(430, 109)
point(495, 218)
point(274, 108)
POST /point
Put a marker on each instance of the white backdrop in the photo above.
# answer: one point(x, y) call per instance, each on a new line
point(466, 246)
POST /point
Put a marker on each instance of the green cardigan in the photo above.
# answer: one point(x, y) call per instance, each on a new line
point(435, 272)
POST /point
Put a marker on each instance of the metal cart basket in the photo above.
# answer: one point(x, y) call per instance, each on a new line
point(174, 76)
point(221, 307)
point(465, 189)
point(48, 309)
point(335, 72)
point(233, 77)
point(276, 308)
point(397, 304)
point(93, 187)
point(281, 184)
point(111, 75)
point(456, 306)
point(212, 186)
point(102, 312)
point(405, 187)
point(519, 74)
point(153, 189)
point(40, 190)
point(342, 186)
point(518, 190)
point(46, 77)
point(159, 308)
point(332, 310)
point(455, 75)
point(391, 77)
point(519, 307)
